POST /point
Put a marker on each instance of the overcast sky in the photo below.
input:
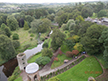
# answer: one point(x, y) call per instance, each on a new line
point(44, 1)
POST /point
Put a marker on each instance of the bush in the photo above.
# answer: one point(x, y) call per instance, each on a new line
point(64, 27)
point(45, 45)
point(16, 44)
point(31, 35)
point(69, 54)
point(43, 60)
point(47, 52)
point(15, 36)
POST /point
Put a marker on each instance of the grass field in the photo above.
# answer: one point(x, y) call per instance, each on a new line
point(25, 39)
point(60, 61)
point(88, 67)
point(32, 59)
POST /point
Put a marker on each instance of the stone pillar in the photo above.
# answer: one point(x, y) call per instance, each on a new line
point(22, 61)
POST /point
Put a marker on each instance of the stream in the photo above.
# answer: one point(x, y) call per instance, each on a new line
point(7, 68)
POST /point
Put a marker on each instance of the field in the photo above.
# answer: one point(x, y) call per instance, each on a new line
point(82, 71)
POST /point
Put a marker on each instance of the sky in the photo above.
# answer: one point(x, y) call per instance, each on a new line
point(44, 1)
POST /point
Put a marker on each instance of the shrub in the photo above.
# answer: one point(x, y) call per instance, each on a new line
point(16, 44)
point(31, 35)
point(45, 45)
point(64, 27)
point(31, 39)
point(78, 47)
point(69, 54)
point(43, 60)
point(56, 59)
point(15, 36)
point(47, 52)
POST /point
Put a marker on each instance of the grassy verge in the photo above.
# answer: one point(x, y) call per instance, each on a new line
point(32, 59)
point(19, 79)
point(82, 71)
point(60, 61)
point(101, 59)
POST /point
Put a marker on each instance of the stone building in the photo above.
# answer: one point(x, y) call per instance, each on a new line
point(22, 61)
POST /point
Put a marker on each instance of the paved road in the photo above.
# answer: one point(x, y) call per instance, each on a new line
point(33, 51)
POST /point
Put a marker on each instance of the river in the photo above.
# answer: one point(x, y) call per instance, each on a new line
point(7, 69)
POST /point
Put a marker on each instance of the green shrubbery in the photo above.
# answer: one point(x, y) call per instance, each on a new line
point(43, 60)
point(15, 36)
point(54, 79)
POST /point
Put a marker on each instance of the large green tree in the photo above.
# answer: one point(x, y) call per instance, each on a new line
point(47, 52)
point(26, 27)
point(40, 25)
point(90, 41)
point(104, 39)
point(86, 11)
point(6, 29)
point(12, 23)
point(57, 39)
point(7, 51)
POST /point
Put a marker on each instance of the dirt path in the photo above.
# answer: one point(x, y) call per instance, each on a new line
point(24, 76)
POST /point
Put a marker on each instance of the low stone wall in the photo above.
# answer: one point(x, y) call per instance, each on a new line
point(59, 71)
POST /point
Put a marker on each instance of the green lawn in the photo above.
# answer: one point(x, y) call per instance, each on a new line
point(18, 79)
point(25, 39)
point(64, 48)
point(88, 67)
point(60, 61)
point(33, 58)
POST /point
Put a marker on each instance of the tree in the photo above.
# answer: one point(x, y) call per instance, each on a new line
point(45, 45)
point(86, 11)
point(90, 41)
point(64, 27)
point(51, 17)
point(15, 36)
point(102, 13)
point(12, 23)
point(69, 43)
point(6, 29)
point(40, 26)
point(69, 54)
point(43, 60)
point(47, 52)
point(7, 50)
point(16, 43)
point(26, 27)
point(83, 28)
point(79, 18)
point(69, 22)
point(78, 47)
point(57, 39)
point(104, 39)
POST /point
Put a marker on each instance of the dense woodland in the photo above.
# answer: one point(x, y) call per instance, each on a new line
point(72, 30)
